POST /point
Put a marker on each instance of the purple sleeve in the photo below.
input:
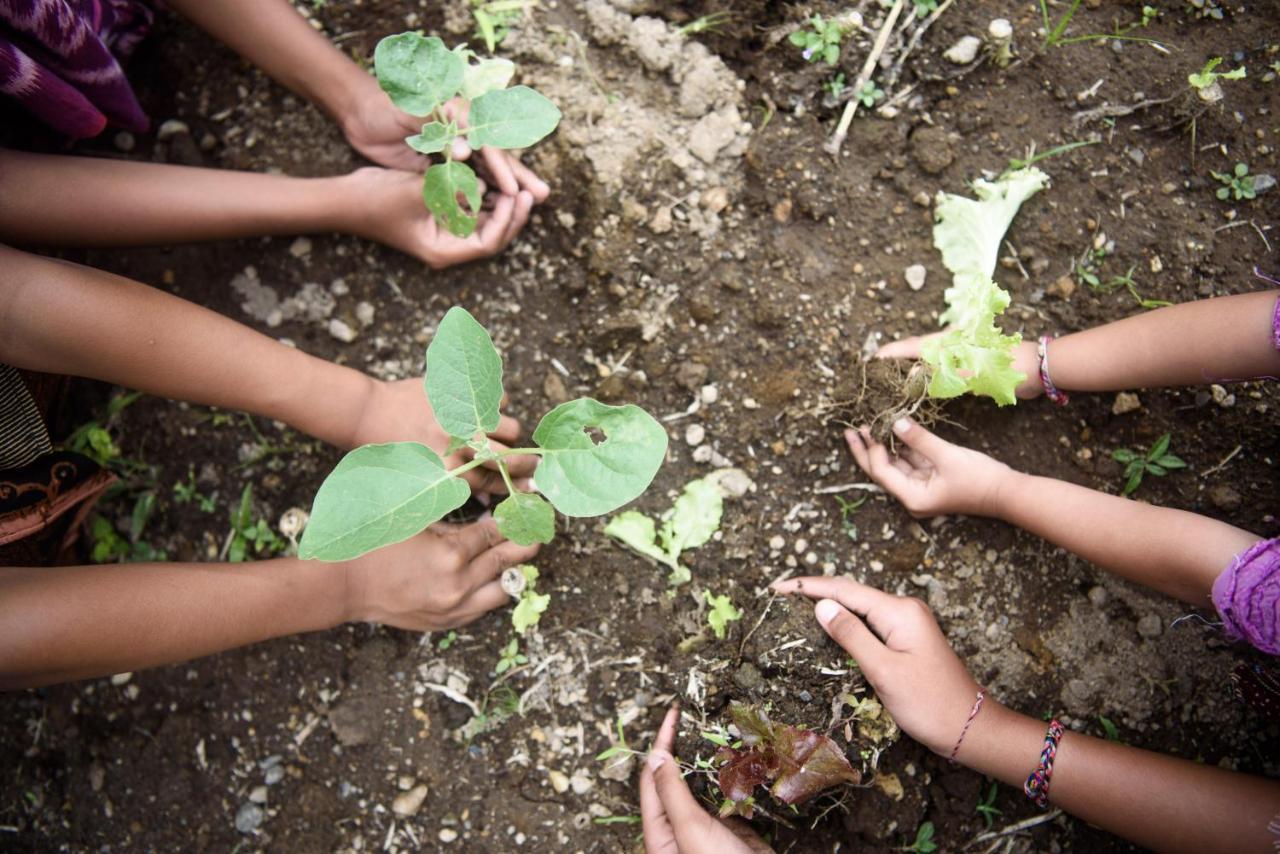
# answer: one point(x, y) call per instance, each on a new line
point(1275, 325)
point(1247, 596)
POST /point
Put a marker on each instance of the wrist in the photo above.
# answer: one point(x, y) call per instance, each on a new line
point(1001, 743)
point(1003, 494)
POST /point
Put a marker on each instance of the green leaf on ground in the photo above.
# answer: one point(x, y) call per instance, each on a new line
point(694, 518)
point(440, 190)
point(434, 138)
point(379, 495)
point(525, 519)
point(583, 477)
point(721, 614)
point(637, 532)
point(511, 118)
point(418, 73)
point(464, 376)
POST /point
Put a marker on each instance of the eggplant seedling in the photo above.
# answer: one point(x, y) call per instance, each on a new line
point(1156, 461)
point(420, 75)
point(594, 459)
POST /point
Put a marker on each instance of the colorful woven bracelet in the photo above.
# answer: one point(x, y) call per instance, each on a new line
point(1051, 391)
point(977, 705)
point(1037, 785)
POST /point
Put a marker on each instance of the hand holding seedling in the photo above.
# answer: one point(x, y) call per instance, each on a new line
point(1024, 360)
point(673, 820)
point(928, 475)
point(897, 643)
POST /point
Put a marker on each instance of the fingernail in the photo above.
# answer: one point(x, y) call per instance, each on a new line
point(657, 759)
point(902, 425)
point(826, 611)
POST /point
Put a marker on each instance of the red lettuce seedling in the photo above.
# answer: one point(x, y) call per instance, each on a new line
point(799, 763)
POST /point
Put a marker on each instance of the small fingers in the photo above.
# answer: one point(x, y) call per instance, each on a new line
point(881, 468)
point(499, 163)
point(852, 634)
point(488, 566)
point(471, 540)
point(508, 427)
point(906, 348)
point(689, 820)
point(658, 833)
point(530, 181)
point(524, 204)
point(486, 598)
point(920, 439)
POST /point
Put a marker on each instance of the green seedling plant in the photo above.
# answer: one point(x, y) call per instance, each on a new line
point(987, 806)
point(1155, 461)
point(924, 843)
point(835, 86)
point(618, 752)
point(925, 8)
point(692, 520)
point(1033, 158)
point(510, 657)
point(594, 459)
point(531, 605)
point(187, 492)
point(1207, 76)
point(710, 23)
point(250, 537)
point(110, 547)
point(870, 93)
point(1236, 184)
point(973, 355)
point(447, 641)
point(1109, 729)
point(821, 41)
point(1055, 34)
point(795, 763)
point(494, 19)
point(420, 75)
point(1126, 281)
point(720, 613)
point(848, 508)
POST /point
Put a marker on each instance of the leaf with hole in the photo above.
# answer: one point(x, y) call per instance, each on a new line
point(418, 73)
point(511, 118)
point(441, 187)
point(584, 478)
point(434, 138)
point(378, 495)
point(487, 75)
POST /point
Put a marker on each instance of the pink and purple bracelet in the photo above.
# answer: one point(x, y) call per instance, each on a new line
point(973, 713)
point(1037, 785)
point(1051, 391)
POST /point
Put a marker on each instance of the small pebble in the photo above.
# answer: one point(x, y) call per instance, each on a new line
point(1125, 402)
point(124, 141)
point(447, 834)
point(408, 803)
point(1150, 626)
point(915, 276)
point(1098, 596)
point(300, 247)
point(777, 543)
point(274, 775)
point(709, 394)
point(248, 817)
point(694, 434)
point(559, 781)
point(172, 128)
point(340, 330)
point(364, 313)
point(258, 795)
point(121, 679)
point(963, 51)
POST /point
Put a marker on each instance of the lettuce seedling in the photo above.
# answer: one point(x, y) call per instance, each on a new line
point(721, 613)
point(691, 522)
point(973, 355)
point(594, 459)
point(420, 75)
point(528, 610)
point(795, 763)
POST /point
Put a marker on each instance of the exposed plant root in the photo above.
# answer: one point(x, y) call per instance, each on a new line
point(885, 390)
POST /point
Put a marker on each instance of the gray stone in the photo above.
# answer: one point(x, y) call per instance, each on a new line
point(1150, 626)
point(408, 803)
point(963, 51)
point(915, 276)
point(341, 330)
point(248, 817)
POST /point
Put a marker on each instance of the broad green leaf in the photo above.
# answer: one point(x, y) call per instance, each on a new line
point(464, 376)
point(636, 532)
point(525, 519)
point(511, 118)
point(418, 73)
point(440, 189)
point(583, 478)
point(487, 75)
point(434, 138)
point(379, 495)
point(978, 361)
point(693, 519)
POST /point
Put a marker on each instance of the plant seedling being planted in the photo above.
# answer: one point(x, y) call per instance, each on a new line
point(420, 75)
point(594, 459)
point(795, 763)
point(691, 522)
point(1156, 461)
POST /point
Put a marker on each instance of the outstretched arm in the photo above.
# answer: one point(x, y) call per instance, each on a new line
point(63, 318)
point(1209, 341)
point(64, 623)
point(1155, 801)
point(1176, 552)
point(53, 200)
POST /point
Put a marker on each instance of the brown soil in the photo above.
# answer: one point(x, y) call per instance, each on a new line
point(771, 300)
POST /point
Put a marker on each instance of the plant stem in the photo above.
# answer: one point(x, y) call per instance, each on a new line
point(506, 477)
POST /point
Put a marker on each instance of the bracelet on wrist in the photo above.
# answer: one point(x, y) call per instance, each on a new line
point(973, 713)
point(1037, 786)
point(1051, 391)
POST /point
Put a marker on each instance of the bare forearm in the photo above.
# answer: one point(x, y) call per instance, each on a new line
point(64, 623)
point(1156, 801)
point(1209, 341)
point(282, 43)
point(1176, 552)
point(79, 201)
point(63, 318)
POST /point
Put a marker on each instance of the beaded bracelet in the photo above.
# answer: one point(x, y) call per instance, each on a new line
point(1051, 391)
point(1037, 785)
point(977, 705)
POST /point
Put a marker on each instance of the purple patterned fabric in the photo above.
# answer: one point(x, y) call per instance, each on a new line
point(1247, 596)
point(60, 60)
point(1275, 325)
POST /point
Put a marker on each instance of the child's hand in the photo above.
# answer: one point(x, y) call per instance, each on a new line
point(385, 205)
point(898, 645)
point(400, 412)
point(673, 822)
point(504, 168)
point(931, 476)
point(1026, 359)
point(444, 577)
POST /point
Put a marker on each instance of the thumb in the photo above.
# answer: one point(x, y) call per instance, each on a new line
point(920, 439)
point(686, 816)
point(846, 629)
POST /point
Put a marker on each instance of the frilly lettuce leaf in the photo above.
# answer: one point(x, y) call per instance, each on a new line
point(974, 355)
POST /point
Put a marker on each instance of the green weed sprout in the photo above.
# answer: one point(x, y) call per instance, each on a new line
point(510, 657)
point(594, 459)
point(1206, 76)
point(531, 605)
point(870, 93)
point(721, 614)
point(821, 41)
point(1236, 184)
point(924, 843)
point(420, 75)
point(987, 806)
point(710, 23)
point(925, 8)
point(248, 535)
point(494, 19)
point(1156, 461)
